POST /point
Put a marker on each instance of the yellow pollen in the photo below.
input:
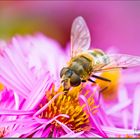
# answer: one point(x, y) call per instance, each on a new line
point(68, 104)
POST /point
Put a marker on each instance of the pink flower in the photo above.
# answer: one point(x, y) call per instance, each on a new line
point(31, 93)
point(9, 110)
point(29, 67)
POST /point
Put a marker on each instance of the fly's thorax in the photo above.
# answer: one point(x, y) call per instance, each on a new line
point(99, 57)
point(82, 65)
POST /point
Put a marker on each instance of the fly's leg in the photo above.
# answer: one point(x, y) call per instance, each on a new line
point(88, 80)
point(101, 78)
point(91, 80)
point(83, 81)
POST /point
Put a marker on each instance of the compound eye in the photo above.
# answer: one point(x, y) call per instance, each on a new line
point(66, 71)
point(63, 71)
point(75, 80)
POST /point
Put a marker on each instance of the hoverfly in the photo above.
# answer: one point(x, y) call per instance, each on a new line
point(85, 63)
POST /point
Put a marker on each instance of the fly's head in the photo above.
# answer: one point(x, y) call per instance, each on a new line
point(69, 78)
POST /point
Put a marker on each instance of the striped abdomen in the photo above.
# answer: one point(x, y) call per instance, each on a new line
point(99, 57)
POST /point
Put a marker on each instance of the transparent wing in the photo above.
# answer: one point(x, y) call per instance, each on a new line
point(117, 61)
point(80, 36)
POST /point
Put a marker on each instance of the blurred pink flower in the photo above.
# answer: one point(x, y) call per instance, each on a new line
point(124, 113)
point(30, 65)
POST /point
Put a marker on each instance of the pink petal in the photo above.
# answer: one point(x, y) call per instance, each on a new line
point(46, 132)
point(23, 64)
point(104, 117)
point(125, 117)
point(21, 131)
point(91, 135)
point(45, 106)
point(38, 92)
point(20, 70)
point(95, 122)
point(73, 135)
point(131, 78)
point(117, 131)
point(37, 53)
point(136, 108)
point(16, 101)
point(10, 75)
point(46, 122)
point(15, 112)
point(54, 132)
point(66, 129)
point(38, 133)
point(122, 97)
point(6, 80)
point(118, 107)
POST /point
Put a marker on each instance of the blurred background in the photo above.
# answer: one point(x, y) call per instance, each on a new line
point(111, 23)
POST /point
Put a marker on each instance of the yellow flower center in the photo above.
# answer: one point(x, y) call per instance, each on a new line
point(68, 104)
